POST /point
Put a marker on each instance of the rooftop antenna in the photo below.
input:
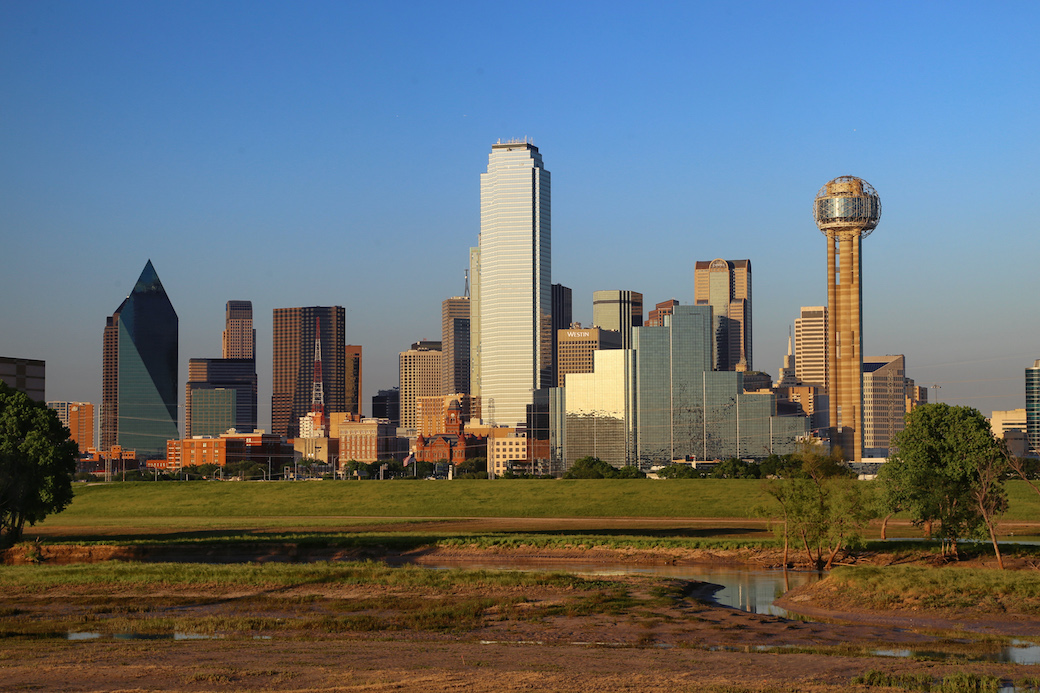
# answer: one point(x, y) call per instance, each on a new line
point(318, 391)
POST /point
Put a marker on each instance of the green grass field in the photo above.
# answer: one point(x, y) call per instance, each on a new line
point(407, 499)
point(577, 498)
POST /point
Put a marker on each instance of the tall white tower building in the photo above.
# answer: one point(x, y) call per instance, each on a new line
point(515, 290)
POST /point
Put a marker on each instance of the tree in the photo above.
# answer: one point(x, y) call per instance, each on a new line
point(820, 505)
point(37, 461)
point(735, 469)
point(595, 468)
point(948, 469)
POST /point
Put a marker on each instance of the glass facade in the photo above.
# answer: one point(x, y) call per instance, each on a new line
point(599, 418)
point(1033, 407)
point(143, 367)
point(213, 412)
point(514, 295)
point(684, 409)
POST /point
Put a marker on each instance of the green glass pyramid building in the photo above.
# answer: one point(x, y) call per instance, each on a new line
point(139, 378)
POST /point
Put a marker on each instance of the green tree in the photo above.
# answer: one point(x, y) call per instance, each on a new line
point(595, 468)
point(820, 506)
point(735, 469)
point(473, 468)
point(948, 469)
point(37, 461)
point(680, 471)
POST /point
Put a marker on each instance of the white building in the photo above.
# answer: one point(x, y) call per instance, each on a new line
point(514, 294)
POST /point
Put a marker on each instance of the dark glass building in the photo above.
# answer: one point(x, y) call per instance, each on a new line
point(293, 364)
point(139, 371)
point(220, 395)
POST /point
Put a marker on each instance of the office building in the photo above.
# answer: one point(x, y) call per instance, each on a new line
point(239, 337)
point(1010, 426)
point(386, 404)
point(618, 311)
point(431, 411)
point(660, 401)
point(562, 317)
point(455, 346)
point(220, 395)
point(139, 371)
point(352, 388)
point(686, 410)
point(474, 321)
point(725, 285)
point(25, 375)
point(514, 287)
point(885, 401)
point(78, 417)
point(846, 209)
point(575, 347)
point(1033, 407)
point(293, 364)
point(656, 316)
point(810, 346)
point(366, 441)
point(420, 372)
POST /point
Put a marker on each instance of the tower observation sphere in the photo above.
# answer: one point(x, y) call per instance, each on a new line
point(846, 210)
point(847, 206)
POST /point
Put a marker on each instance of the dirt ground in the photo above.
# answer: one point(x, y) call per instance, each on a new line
point(687, 644)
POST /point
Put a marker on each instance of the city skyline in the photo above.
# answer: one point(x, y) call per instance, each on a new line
point(214, 164)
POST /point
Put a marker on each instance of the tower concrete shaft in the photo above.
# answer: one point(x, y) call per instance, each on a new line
point(844, 346)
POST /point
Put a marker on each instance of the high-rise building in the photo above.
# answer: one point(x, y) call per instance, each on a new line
point(725, 285)
point(239, 337)
point(656, 316)
point(78, 417)
point(618, 311)
point(139, 371)
point(885, 396)
point(575, 347)
point(562, 317)
point(515, 295)
point(660, 401)
point(846, 210)
point(474, 321)
point(386, 404)
point(420, 370)
point(220, 395)
point(25, 375)
point(1033, 407)
point(353, 386)
point(293, 364)
point(455, 364)
point(810, 346)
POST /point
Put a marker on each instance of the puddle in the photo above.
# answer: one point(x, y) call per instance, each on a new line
point(87, 635)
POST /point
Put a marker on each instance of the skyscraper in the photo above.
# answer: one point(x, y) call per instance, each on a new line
point(293, 364)
point(79, 418)
point(220, 394)
point(562, 316)
point(618, 311)
point(455, 365)
point(846, 210)
point(25, 375)
point(885, 390)
point(725, 285)
point(810, 346)
point(239, 338)
point(656, 316)
point(353, 385)
point(515, 295)
point(1033, 407)
point(420, 373)
point(139, 371)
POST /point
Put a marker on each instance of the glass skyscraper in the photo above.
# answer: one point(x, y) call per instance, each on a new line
point(1033, 407)
point(514, 294)
point(139, 371)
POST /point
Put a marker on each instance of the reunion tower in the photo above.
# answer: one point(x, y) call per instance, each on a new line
point(846, 209)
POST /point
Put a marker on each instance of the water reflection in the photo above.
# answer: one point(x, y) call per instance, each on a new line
point(741, 588)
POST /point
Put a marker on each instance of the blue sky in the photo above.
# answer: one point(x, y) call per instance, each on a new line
point(329, 153)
